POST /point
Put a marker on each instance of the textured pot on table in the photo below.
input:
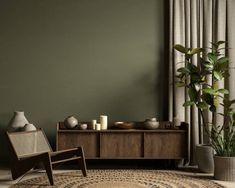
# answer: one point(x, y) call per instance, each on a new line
point(17, 122)
point(70, 122)
point(204, 155)
point(29, 127)
point(224, 168)
point(151, 123)
point(82, 126)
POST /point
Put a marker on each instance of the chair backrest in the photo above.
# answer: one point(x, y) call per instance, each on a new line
point(28, 143)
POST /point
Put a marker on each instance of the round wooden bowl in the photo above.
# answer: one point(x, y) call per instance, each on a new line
point(124, 125)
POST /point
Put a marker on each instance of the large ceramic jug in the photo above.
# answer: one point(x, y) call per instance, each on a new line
point(17, 122)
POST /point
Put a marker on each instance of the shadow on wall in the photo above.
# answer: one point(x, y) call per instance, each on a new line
point(162, 88)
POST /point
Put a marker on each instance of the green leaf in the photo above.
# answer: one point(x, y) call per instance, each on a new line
point(202, 105)
point(208, 65)
point(223, 60)
point(195, 51)
point(221, 114)
point(193, 68)
point(188, 103)
point(232, 101)
point(222, 64)
point(215, 102)
point(223, 91)
point(184, 70)
point(207, 98)
point(210, 91)
point(228, 103)
point(218, 75)
point(220, 42)
point(212, 108)
point(188, 56)
point(180, 84)
point(180, 76)
point(181, 48)
point(212, 57)
point(192, 94)
point(195, 78)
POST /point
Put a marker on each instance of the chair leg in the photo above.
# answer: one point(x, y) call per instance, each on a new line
point(20, 167)
point(48, 168)
point(82, 161)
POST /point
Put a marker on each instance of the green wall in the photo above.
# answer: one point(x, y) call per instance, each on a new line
point(81, 57)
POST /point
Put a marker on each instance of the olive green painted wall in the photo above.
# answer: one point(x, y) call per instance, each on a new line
point(81, 57)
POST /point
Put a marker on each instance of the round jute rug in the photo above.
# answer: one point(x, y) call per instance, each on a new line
point(119, 179)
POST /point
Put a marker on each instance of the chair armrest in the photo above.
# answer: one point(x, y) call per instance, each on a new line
point(63, 151)
point(32, 155)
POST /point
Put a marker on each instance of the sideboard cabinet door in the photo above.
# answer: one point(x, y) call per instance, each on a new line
point(89, 141)
point(168, 145)
point(121, 145)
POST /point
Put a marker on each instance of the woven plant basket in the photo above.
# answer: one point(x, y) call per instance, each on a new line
point(224, 168)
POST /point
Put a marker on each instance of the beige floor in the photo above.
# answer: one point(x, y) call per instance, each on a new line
point(6, 181)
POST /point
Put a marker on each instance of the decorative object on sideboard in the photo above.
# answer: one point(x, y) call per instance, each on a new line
point(82, 126)
point(17, 122)
point(104, 122)
point(93, 123)
point(70, 122)
point(176, 122)
point(123, 125)
point(168, 125)
point(29, 127)
point(97, 126)
point(151, 123)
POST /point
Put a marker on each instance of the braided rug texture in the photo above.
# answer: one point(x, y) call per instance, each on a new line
point(119, 179)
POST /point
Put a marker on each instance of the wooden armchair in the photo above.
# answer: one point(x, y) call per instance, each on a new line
point(27, 149)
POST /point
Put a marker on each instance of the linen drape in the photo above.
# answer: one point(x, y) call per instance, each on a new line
point(197, 23)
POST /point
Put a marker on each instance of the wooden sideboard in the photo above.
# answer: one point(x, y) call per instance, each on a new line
point(126, 144)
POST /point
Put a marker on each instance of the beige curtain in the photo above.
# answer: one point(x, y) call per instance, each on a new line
point(197, 23)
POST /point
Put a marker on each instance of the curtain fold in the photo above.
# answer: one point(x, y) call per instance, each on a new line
point(197, 23)
point(231, 43)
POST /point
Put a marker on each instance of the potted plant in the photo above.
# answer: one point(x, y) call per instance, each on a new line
point(209, 96)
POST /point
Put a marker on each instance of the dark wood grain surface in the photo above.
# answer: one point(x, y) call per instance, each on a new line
point(165, 145)
point(121, 144)
point(89, 141)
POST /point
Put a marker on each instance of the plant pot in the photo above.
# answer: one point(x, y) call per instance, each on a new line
point(224, 168)
point(204, 155)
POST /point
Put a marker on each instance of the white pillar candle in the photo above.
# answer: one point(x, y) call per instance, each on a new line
point(97, 126)
point(104, 122)
point(176, 121)
point(93, 124)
